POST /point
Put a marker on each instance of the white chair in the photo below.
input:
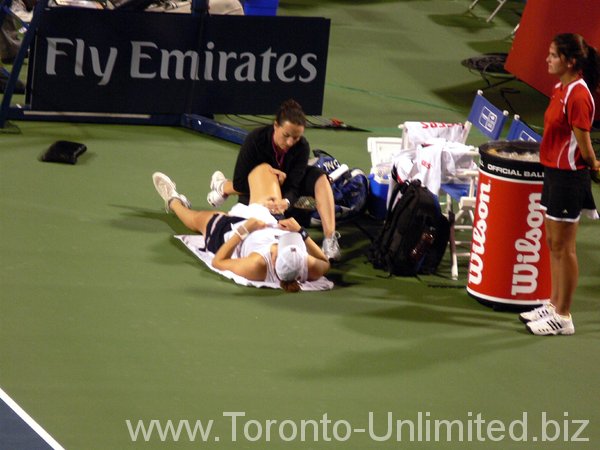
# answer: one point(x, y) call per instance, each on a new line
point(460, 192)
point(418, 133)
point(458, 177)
point(483, 115)
point(458, 174)
point(493, 14)
point(490, 121)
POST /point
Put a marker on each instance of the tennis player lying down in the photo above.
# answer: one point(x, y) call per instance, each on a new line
point(259, 250)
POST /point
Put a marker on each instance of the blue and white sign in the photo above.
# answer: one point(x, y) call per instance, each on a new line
point(136, 62)
point(486, 117)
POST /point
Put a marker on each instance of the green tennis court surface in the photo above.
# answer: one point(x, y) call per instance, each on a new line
point(113, 336)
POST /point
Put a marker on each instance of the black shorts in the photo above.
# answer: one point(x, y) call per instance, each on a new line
point(566, 193)
point(216, 228)
point(312, 174)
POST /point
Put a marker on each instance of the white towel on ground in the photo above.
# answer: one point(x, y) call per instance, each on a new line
point(195, 243)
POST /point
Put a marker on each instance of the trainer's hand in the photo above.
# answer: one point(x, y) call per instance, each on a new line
point(281, 176)
point(289, 224)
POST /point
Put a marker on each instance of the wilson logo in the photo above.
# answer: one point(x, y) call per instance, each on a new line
point(479, 230)
point(525, 271)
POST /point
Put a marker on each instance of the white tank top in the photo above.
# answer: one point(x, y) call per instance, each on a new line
point(260, 242)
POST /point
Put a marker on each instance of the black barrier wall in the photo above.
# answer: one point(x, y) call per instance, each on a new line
point(153, 63)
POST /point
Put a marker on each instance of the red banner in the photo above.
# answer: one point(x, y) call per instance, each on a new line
point(541, 21)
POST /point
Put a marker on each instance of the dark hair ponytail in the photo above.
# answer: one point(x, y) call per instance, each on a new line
point(292, 112)
point(591, 70)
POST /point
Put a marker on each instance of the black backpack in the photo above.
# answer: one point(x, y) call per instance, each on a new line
point(414, 235)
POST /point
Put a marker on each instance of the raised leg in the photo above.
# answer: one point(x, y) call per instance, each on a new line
point(264, 185)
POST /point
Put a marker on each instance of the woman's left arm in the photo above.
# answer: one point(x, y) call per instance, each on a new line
point(585, 145)
point(291, 224)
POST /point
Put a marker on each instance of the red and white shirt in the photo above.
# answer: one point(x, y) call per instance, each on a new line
point(571, 106)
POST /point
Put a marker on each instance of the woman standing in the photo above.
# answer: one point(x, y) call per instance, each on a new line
point(568, 157)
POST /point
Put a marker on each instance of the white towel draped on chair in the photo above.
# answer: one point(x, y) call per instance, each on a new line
point(435, 162)
point(418, 133)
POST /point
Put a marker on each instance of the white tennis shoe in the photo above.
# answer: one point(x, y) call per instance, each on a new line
point(167, 190)
point(216, 197)
point(552, 324)
point(538, 313)
point(331, 247)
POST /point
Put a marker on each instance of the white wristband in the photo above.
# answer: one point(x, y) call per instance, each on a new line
point(244, 233)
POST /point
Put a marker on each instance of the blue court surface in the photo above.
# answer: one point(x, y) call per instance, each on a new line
point(18, 431)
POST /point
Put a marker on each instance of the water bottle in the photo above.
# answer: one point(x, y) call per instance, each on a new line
point(423, 245)
point(333, 176)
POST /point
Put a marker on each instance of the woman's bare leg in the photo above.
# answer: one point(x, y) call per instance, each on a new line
point(325, 205)
point(194, 220)
point(563, 263)
point(260, 181)
point(228, 188)
point(264, 185)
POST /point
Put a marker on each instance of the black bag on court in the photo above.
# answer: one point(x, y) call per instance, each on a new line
point(415, 233)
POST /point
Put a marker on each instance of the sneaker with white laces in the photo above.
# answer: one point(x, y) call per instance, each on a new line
point(216, 197)
point(167, 190)
point(538, 313)
point(552, 324)
point(331, 247)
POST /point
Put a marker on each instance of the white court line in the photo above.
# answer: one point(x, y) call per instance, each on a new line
point(29, 421)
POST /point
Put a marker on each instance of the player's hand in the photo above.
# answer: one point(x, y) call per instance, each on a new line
point(254, 224)
point(289, 224)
